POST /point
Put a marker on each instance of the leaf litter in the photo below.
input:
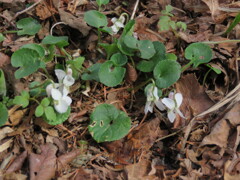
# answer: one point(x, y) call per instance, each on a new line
point(203, 145)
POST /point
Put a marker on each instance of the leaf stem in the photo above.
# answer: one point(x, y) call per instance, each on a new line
point(225, 41)
point(186, 66)
point(33, 99)
point(10, 32)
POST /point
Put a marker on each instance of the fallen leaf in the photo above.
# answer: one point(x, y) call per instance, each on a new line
point(43, 166)
point(16, 117)
point(44, 11)
point(17, 163)
point(15, 176)
point(233, 115)
point(219, 135)
point(4, 132)
point(64, 159)
point(6, 145)
point(131, 75)
point(228, 175)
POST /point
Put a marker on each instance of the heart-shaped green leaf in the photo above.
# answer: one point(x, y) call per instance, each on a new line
point(28, 26)
point(146, 66)
point(111, 76)
point(54, 118)
point(95, 18)
point(130, 42)
point(27, 60)
point(166, 73)
point(22, 100)
point(119, 59)
point(59, 41)
point(198, 53)
point(35, 47)
point(93, 73)
point(108, 123)
point(109, 48)
point(4, 114)
point(146, 49)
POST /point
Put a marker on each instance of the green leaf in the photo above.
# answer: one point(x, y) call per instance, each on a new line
point(130, 42)
point(1, 37)
point(36, 47)
point(233, 24)
point(76, 65)
point(166, 73)
point(45, 102)
point(27, 60)
point(50, 53)
point(102, 2)
point(60, 118)
point(50, 114)
point(111, 76)
point(93, 73)
point(160, 51)
point(28, 26)
point(146, 49)
point(171, 56)
point(39, 111)
point(106, 30)
point(59, 41)
point(95, 18)
point(198, 53)
point(119, 59)
point(109, 48)
point(3, 88)
point(22, 100)
point(4, 114)
point(163, 23)
point(128, 29)
point(181, 25)
point(146, 66)
point(108, 123)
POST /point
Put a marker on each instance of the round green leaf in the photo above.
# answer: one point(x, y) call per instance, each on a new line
point(146, 66)
point(50, 114)
point(59, 41)
point(35, 47)
point(130, 41)
point(20, 100)
point(111, 76)
point(95, 18)
point(28, 61)
point(39, 111)
point(45, 102)
point(102, 2)
point(4, 114)
point(199, 53)
point(108, 123)
point(93, 73)
point(59, 118)
point(28, 26)
point(119, 59)
point(146, 49)
point(166, 73)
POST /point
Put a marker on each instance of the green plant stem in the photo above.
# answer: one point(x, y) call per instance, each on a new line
point(186, 66)
point(205, 76)
point(133, 63)
point(33, 99)
point(10, 32)
point(99, 35)
point(219, 42)
point(66, 53)
point(40, 85)
point(46, 72)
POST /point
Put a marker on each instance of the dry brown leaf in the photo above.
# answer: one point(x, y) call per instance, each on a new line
point(4, 60)
point(6, 145)
point(43, 166)
point(74, 22)
point(14, 176)
point(195, 100)
point(230, 175)
point(44, 11)
point(233, 115)
point(219, 135)
point(17, 163)
point(16, 117)
point(131, 75)
point(4, 132)
point(63, 160)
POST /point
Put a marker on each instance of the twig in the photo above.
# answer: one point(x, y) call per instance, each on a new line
point(134, 10)
point(169, 135)
point(51, 30)
point(25, 10)
point(156, 34)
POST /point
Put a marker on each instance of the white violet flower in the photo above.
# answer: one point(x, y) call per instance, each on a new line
point(117, 24)
point(58, 91)
point(61, 101)
point(173, 102)
point(152, 99)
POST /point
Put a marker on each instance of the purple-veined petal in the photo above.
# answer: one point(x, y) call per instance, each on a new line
point(56, 94)
point(60, 74)
point(178, 99)
point(69, 71)
point(68, 80)
point(171, 95)
point(160, 105)
point(169, 103)
point(171, 116)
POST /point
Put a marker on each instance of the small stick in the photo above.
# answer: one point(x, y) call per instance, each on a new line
point(134, 10)
point(25, 10)
point(51, 30)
